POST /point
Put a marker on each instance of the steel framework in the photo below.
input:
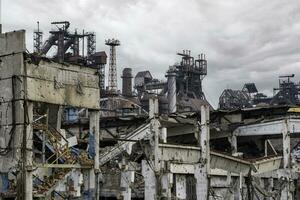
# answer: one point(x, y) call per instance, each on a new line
point(112, 74)
point(37, 39)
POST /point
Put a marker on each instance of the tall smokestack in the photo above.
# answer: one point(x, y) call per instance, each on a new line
point(171, 74)
point(127, 82)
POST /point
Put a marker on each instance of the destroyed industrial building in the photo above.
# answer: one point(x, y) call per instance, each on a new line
point(65, 135)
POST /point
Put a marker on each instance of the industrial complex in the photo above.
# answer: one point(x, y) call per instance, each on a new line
point(68, 132)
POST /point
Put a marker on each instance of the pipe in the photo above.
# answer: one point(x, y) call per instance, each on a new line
point(172, 99)
point(48, 44)
point(127, 82)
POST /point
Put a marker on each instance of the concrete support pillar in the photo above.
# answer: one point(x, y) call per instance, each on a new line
point(270, 187)
point(164, 135)
point(202, 169)
point(230, 195)
point(17, 144)
point(91, 176)
point(150, 172)
point(127, 179)
point(266, 148)
point(233, 142)
point(153, 107)
point(201, 182)
point(180, 181)
point(59, 117)
point(28, 139)
point(166, 184)
point(150, 181)
point(204, 137)
point(155, 130)
point(286, 145)
point(240, 187)
point(228, 178)
point(89, 180)
point(261, 183)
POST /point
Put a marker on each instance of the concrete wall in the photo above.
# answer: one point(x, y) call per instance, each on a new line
point(12, 46)
point(55, 83)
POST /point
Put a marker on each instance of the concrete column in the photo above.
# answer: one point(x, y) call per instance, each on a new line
point(201, 182)
point(240, 187)
point(149, 172)
point(59, 117)
point(89, 184)
point(163, 134)
point(180, 181)
point(17, 144)
point(202, 169)
point(150, 181)
point(286, 145)
point(127, 179)
point(153, 107)
point(94, 173)
point(28, 139)
point(233, 142)
point(229, 194)
point(155, 130)
point(266, 148)
point(204, 137)
point(228, 178)
point(270, 187)
point(166, 184)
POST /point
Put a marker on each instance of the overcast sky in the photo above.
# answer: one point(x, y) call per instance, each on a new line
point(244, 40)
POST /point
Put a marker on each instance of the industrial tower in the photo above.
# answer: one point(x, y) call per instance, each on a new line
point(91, 43)
point(112, 74)
point(37, 39)
point(190, 74)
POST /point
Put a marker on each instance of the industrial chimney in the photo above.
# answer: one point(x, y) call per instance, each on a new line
point(172, 98)
point(127, 82)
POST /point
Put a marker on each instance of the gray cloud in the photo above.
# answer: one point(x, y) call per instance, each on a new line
point(245, 41)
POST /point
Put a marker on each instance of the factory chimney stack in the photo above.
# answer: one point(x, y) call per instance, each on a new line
point(127, 82)
point(171, 75)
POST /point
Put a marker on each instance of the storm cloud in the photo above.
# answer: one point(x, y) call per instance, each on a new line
point(244, 41)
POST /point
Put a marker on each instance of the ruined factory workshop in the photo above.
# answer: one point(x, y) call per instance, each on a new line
point(82, 118)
